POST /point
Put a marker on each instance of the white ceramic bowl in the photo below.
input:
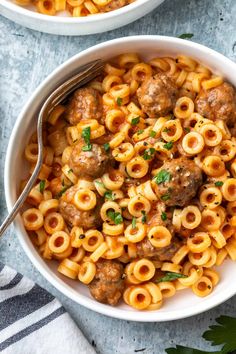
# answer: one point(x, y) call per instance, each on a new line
point(74, 26)
point(184, 304)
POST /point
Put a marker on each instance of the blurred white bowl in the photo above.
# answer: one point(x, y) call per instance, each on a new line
point(74, 26)
point(185, 303)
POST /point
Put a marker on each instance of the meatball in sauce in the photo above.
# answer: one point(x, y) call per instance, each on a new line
point(108, 284)
point(157, 96)
point(179, 181)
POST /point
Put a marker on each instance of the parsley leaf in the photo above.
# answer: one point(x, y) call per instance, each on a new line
point(170, 276)
point(144, 217)
point(168, 146)
point(86, 133)
point(186, 35)
point(219, 183)
point(148, 153)
point(106, 147)
point(224, 333)
point(163, 216)
point(119, 101)
point(42, 185)
point(187, 129)
point(152, 134)
point(133, 223)
point(115, 216)
point(140, 131)
point(109, 195)
point(162, 176)
point(135, 121)
point(165, 197)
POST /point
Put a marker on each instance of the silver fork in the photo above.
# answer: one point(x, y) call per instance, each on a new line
point(86, 73)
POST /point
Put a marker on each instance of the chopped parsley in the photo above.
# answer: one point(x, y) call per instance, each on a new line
point(135, 121)
point(168, 146)
point(86, 134)
point(163, 216)
point(119, 101)
point(186, 35)
point(106, 147)
point(140, 131)
point(133, 223)
point(115, 216)
point(187, 129)
point(219, 183)
point(165, 197)
point(109, 195)
point(149, 153)
point(144, 217)
point(162, 176)
point(166, 130)
point(62, 191)
point(170, 276)
point(42, 185)
point(152, 134)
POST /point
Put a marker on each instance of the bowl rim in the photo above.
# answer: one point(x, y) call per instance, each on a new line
point(10, 5)
point(114, 312)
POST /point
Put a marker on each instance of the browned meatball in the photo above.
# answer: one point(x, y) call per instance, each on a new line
point(86, 103)
point(178, 181)
point(108, 284)
point(92, 163)
point(154, 217)
point(146, 249)
point(157, 95)
point(113, 5)
point(218, 103)
point(75, 217)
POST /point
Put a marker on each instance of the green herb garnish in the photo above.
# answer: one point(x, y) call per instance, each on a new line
point(135, 121)
point(168, 146)
point(115, 216)
point(152, 134)
point(144, 217)
point(106, 147)
point(170, 276)
point(62, 191)
point(133, 223)
point(187, 129)
point(163, 216)
point(119, 101)
point(140, 131)
point(86, 134)
point(186, 35)
point(166, 130)
point(149, 153)
point(42, 185)
point(219, 183)
point(162, 176)
point(165, 197)
point(109, 195)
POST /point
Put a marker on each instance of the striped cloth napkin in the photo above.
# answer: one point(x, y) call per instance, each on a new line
point(32, 321)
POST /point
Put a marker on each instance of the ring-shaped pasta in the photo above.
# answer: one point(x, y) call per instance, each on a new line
point(202, 287)
point(53, 222)
point(193, 143)
point(93, 239)
point(171, 267)
point(69, 268)
point(144, 269)
point(112, 230)
point(84, 199)
point(77, 254)
point(199, 259)
point(212, 275)
point(172, 130)
point(137, 167)
point(139, 298)
point(98, 253)
point(167, 289)
point(219, 239)
point(184, 107)
point(213, 166)
point(129, 272)
point(227, 230)
point(32, 219)
point(109, 206)
point(198, 242)
point(139, 205)
point(114, 119)
point(124, 152)
point(191, 217)
point(211, 134)
point(229, 189)
point(226, 150)
point(141, 72)
point(87, 272)
point(210, 197)
point(113, 180)
point(48, 206)
point(180, 254)
point(159, 236)
point(109, 81)
point(211, 220)
point(154, 291)
point(136, 234)
point(59, 242)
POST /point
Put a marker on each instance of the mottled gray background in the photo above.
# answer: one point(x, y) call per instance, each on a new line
point(26, 58)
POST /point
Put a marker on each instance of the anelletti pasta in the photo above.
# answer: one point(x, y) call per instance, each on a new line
point(76, 8)
point(136, 197)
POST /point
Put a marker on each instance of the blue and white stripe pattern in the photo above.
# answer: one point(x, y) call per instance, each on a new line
point(32, 321)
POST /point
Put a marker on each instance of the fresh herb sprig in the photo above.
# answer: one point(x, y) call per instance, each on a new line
point(86, 135)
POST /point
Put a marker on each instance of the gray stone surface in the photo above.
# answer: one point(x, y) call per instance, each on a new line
point(26, 58)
